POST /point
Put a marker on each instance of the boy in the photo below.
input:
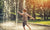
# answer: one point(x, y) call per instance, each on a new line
point(25, 18)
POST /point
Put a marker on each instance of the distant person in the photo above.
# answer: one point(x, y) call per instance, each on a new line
point(25, 18)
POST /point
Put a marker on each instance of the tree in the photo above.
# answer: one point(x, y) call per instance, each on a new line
point(1, 6)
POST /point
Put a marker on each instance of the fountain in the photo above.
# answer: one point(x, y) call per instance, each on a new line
point(16, 9)
point(7, 14)
point(24, 4)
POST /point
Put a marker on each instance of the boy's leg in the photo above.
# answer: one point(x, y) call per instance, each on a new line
point(24, 27)
point(28, 27)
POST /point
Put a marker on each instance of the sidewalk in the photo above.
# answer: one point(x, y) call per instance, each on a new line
point(13, 26)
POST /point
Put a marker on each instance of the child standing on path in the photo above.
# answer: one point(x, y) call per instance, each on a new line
point(25, 18)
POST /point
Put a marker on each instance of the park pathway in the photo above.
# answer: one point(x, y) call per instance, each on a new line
point(19, 27)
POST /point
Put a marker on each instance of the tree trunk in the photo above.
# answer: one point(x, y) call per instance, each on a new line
point(47, 17)
point(44, 15)
point(34, 13)
point(20, 8)
point(47, 14)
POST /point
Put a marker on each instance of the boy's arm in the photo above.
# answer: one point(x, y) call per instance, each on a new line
point(20, 13)
point(31, 17)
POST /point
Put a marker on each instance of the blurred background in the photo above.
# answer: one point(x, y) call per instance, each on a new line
point(39, 9)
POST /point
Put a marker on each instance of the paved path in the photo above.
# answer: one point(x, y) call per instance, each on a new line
point(12, 26)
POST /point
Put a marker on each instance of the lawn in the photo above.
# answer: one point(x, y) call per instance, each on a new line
point(41, 22)
point(38, 22)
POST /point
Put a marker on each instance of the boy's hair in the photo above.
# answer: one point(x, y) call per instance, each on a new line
point(25, 10)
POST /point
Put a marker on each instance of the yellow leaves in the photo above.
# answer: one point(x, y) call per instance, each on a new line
point(31, 6)
point(38, 17)
point(13, 13)
point(37, 14)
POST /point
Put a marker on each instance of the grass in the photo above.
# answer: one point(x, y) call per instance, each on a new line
point(47, 22)
point(41, 22)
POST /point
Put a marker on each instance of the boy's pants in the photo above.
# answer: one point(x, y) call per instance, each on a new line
point(24, 23)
